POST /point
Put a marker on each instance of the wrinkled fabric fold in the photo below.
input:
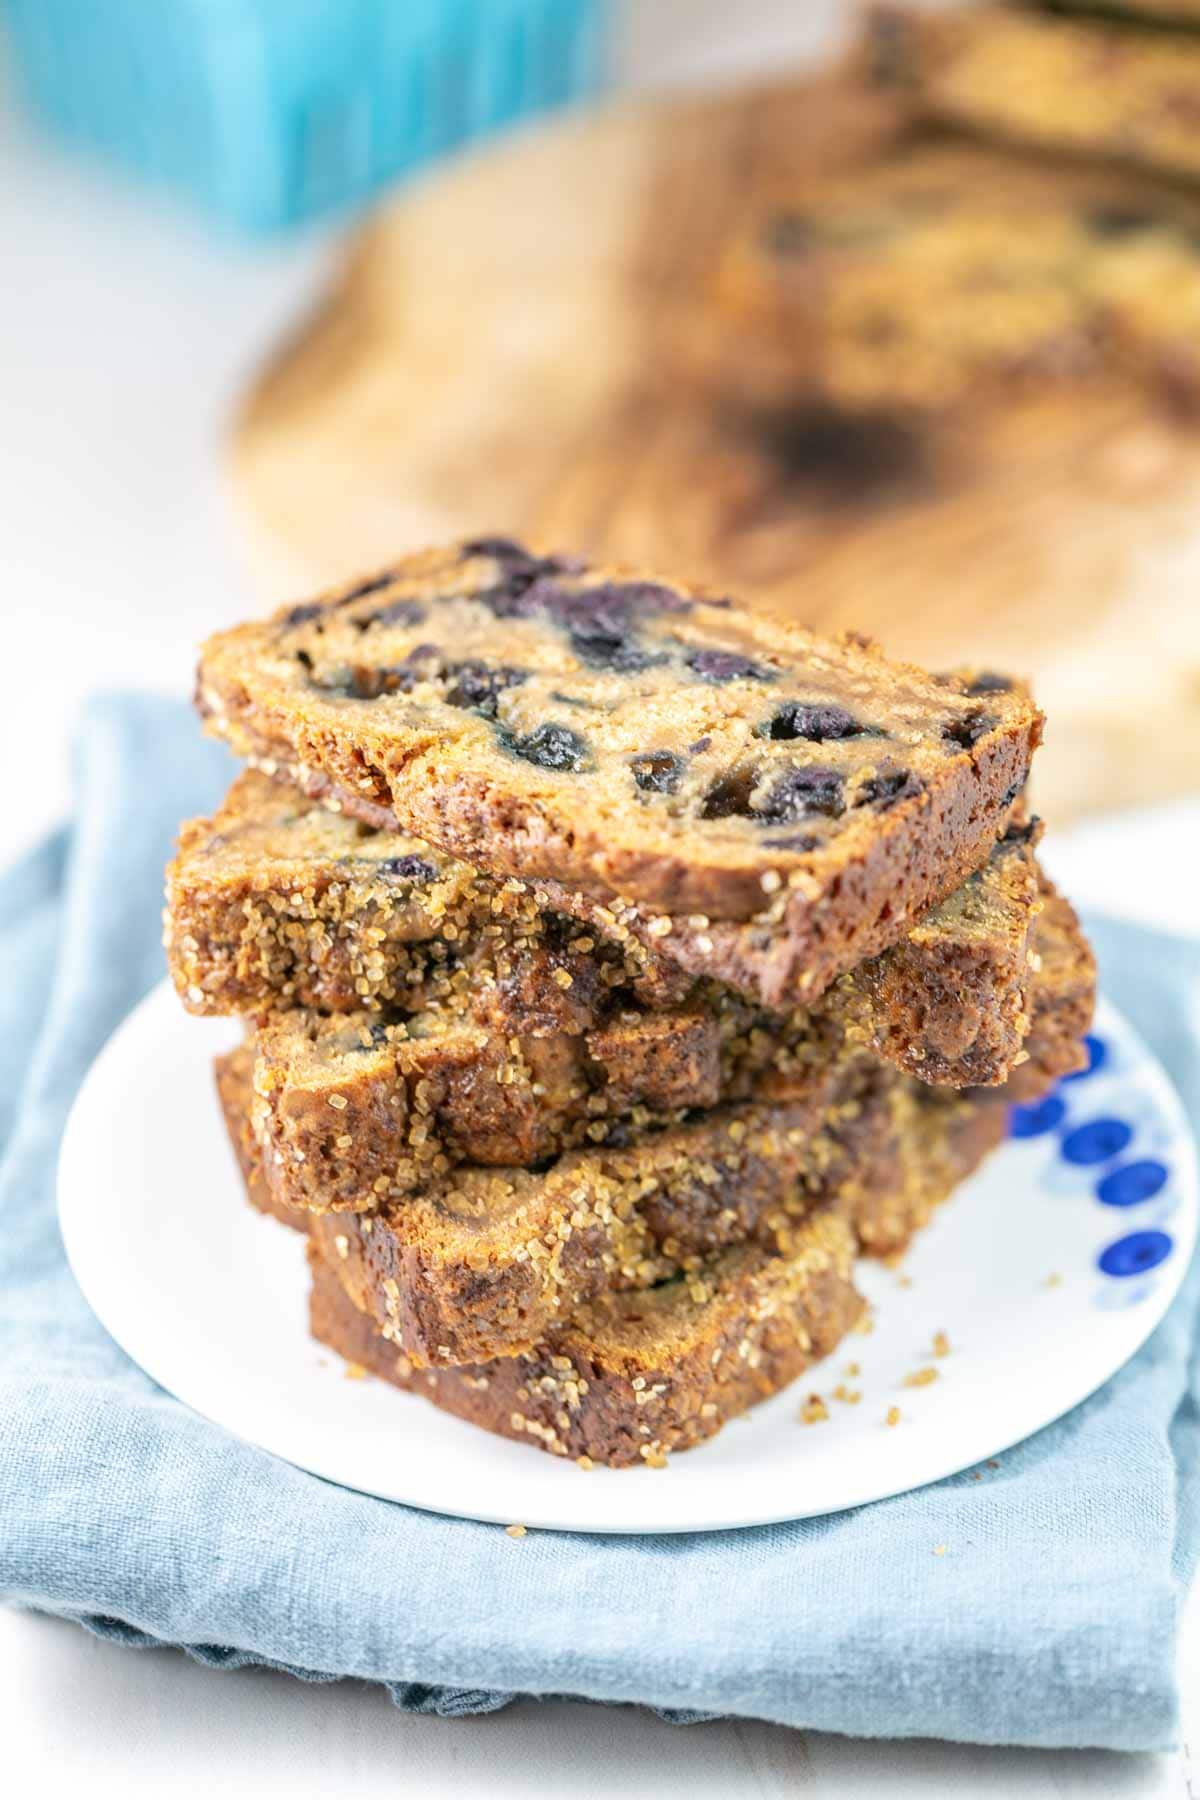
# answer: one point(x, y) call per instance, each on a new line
point(1054, 1622)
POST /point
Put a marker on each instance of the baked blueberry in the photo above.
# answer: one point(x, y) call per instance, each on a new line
point(549, 747)
point(1018, 836)
point(610, 606)
point(726, 665)
point(478, 685)
point(601, 621)
point(302, 615)
point(373, 584)
point(397, 612)
point(603, 648)
point(377, 1035)
point(412, 868)
point(887, 788)
point(1120, 221)
point(515, 595)
point(657, 771)
point(966, 731)
point(502, 550)
point(788, 234)
point(801, 791)
point(729, 798)
point(819, 724)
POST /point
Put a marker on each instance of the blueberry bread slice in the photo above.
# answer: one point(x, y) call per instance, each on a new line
point(277, 901)
point(351, 1109)
point(886, 1152)
point(542, 719)
point(1061, 84)
point(478, 1264)
point(955, 275)
point(634, 1376)
point(484, 1266)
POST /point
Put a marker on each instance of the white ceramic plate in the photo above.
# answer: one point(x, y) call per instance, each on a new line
point(1060, 1256)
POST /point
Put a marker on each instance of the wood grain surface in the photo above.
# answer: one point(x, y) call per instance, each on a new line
point(521, 344)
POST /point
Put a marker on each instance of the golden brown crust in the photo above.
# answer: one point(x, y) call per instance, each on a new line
point(233, 1074)
point(480, 1264)
point(1064, 1000)
point(277, 903)
point(485, 1266)
point(353, 1111)
point(634, 1377)
point(951, 1003)
point(485, 1270)
point(685, 777)
point(926, 1144)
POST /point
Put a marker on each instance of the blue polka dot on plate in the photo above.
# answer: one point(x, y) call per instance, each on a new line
point(1096, 1141)
point(1132, 1183)
point(1135, 1254)
point(1033, 1121)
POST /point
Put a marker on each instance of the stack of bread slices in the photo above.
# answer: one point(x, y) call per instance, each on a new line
point(617, 966)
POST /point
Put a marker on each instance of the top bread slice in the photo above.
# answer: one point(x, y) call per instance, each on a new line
point(628, 739)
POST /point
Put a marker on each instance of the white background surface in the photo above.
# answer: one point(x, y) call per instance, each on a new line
point(126, 334)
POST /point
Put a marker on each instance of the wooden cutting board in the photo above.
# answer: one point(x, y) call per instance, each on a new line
point(504, 352)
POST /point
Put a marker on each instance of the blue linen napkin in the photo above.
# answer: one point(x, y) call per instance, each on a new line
point(1053, 1624)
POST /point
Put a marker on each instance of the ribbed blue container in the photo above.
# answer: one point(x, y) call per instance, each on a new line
point(268, 112)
